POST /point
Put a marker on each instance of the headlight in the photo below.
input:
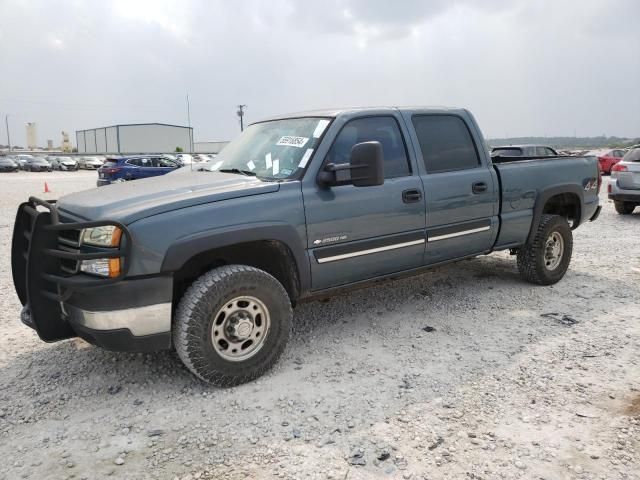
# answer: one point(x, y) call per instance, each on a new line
point(105, 236)
point(103, 267)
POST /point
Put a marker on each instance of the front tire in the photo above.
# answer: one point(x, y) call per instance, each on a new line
point(232, 325)
point(546, 259)
point(624, 208)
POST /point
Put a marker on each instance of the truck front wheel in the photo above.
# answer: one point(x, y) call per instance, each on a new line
point(232, 324)
point(546, 259)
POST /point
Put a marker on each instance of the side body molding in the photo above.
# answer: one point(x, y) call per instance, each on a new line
point(189, 246)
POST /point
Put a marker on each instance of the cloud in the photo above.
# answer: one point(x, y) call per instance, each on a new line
point(524, 68)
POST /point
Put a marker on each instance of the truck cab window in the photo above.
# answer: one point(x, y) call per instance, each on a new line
point(380, 129)
point(445, 142)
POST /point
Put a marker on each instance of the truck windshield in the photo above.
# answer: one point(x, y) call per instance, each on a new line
point(274, 150)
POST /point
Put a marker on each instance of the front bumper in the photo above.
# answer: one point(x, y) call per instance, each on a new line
point(68, 168)
point(115, 313)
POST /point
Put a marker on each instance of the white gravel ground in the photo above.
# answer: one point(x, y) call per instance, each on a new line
point(494, 391)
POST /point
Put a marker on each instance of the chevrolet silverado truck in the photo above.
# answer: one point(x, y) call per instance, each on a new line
point(298, 207)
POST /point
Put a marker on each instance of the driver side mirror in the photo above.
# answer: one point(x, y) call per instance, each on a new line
point(365, 168)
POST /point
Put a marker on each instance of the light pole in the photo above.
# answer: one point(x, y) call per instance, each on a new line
point(240, 113)
point(6, 122)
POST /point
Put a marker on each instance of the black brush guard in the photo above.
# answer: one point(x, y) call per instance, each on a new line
point(36, 262)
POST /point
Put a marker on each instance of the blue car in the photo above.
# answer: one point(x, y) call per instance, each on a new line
point(131, 168)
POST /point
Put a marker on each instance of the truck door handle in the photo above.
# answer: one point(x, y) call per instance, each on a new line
point(479, 187)
point(411, 196)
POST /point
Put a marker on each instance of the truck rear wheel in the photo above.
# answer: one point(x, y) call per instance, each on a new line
point(546, 259)
point(232, 324)
point(624, 208)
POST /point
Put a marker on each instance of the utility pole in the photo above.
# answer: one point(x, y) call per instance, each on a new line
point(189, 123)
point(6, 122)
point(240, 113)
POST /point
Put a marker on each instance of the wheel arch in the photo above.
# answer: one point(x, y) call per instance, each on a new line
point(276, 249)
point(563, 200)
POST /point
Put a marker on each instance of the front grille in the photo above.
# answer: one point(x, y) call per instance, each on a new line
point(69, 241)
point(45, 255)
point(69, 237)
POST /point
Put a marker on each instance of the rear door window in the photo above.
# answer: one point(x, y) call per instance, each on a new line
point(446, 143)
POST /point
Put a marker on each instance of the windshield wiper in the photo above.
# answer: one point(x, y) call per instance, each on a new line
point(248, 173)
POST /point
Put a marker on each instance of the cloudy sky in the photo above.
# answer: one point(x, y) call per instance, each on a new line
point(523, 67)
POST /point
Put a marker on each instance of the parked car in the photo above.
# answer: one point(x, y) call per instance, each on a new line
point(133, 168)
point(21, 159)
point(8, 165)
point(90, 163)
point(36, 164)
point(301, 207)
point(608, 158)
point(624, 186)
point(523, 151)
point(184, 158)
point(63, 163)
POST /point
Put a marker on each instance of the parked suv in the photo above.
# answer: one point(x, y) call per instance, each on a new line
point(624, 186)
point(132, 168)
point(297, 207)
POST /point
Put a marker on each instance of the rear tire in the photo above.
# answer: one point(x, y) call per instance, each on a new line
point(546, 259)
point(624, 208)
point(222, 314)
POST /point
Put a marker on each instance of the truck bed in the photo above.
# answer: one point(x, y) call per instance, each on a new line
point(522, 181)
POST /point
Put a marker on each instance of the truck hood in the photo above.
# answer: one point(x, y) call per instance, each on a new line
point(127, 202)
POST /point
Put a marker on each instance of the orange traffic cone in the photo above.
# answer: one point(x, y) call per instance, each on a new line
point(46, 188)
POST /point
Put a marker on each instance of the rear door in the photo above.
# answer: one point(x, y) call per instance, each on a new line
point(356, 233)
point(461, 189)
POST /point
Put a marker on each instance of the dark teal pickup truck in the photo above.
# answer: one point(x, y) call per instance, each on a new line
point(297, 207)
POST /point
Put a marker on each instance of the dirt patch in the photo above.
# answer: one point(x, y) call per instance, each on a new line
point(633, 408)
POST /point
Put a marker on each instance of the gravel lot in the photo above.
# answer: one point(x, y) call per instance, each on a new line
point(452, 374)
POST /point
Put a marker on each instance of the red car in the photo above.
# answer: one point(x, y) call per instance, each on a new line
point(608, 158)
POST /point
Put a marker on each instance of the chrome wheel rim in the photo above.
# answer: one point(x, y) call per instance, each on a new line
point(553, 251)
point(240, 328)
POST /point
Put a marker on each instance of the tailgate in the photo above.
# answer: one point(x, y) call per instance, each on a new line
point(629, 180)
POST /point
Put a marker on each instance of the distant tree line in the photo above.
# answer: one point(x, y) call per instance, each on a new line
point(568, 142)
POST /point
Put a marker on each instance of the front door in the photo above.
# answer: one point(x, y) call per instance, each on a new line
point(356, 233)
point(461, 189)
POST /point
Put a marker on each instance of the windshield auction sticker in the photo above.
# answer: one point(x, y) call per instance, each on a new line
point(288, 141)
point(322, 124)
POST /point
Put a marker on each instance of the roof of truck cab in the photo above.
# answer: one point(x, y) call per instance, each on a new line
point(334, 112)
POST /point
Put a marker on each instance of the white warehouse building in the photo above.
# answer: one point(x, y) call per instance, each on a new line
point(135, 138)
